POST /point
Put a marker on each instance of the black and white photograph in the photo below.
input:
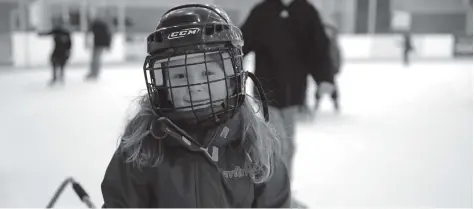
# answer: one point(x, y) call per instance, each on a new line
point(236, 104)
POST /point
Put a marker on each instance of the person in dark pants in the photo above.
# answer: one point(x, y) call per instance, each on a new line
point(407, 48)
point(335, 67)
point(61, 51)
point(102, 39)
point(289, 42)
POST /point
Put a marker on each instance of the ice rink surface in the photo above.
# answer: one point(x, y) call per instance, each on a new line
point(403, 138)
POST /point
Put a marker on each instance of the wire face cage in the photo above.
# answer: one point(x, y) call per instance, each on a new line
point(200, 86)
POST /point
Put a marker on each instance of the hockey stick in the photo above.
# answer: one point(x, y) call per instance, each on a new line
point(77, 188)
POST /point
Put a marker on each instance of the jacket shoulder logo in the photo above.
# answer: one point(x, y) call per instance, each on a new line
point(182, 33)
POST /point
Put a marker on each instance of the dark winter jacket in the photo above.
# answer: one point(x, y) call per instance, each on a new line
point(287, 49)
point(191, 177)
point(62, 42)
point(102, 34)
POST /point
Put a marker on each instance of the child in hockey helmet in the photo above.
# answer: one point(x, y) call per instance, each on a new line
point(197, 141)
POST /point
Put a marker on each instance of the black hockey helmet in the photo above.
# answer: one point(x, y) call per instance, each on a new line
point(188, 31)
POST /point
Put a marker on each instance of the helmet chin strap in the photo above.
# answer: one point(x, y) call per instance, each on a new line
point(261, 93)
point(196, 128)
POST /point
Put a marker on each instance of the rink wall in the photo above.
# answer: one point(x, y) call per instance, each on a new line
point(382, 47)
point(29, 49)
point(357, 47)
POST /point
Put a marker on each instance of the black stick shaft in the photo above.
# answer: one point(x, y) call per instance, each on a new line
point(58, 192)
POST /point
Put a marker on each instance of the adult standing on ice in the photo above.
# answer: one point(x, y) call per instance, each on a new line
point(102, 40)
point(289, 42)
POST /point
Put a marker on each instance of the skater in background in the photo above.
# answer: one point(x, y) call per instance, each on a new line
point(62, 48)
point(289, 42)
point(407, 48)
point(196, 141)
point(102, 39)
point(335, 67)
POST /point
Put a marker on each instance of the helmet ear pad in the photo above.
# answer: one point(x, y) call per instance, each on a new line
point(158, 96)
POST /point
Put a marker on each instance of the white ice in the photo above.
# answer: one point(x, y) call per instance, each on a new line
point(403, 138)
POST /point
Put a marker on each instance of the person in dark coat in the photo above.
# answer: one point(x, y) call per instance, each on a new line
point(289, 42)
point(196, 140)
point(62, 49)
point(102, 40)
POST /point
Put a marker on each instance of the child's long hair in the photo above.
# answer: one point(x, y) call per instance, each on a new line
point(259, 140)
